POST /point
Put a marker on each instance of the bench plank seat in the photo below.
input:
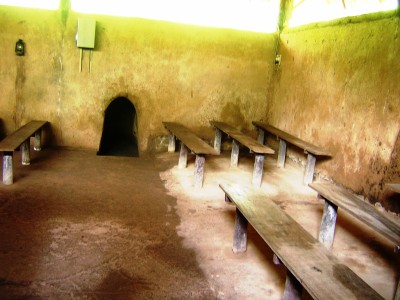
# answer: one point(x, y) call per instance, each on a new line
point(360, 209)
point(311, 264)
point(306, 146)
point(20, 138)
point(14, 140)
point(192, 142)
point(243, 139)
point(240, 138)
point(311, 150)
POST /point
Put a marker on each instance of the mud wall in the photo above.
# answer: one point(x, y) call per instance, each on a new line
point(170, 72)
point(338, 87)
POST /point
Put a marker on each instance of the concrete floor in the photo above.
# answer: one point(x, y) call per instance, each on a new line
point(77, 225)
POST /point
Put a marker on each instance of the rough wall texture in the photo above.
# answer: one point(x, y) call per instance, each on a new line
point(338, 87)
point(170, 72)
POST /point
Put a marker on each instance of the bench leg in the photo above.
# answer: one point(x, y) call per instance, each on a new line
point(328, 224)
point(261, 136)
point(235, 153)
point(240, 234)
point(310, 166)
point(281, 154)
point(199, 171)
point(26, 155)
point(258, 169)
point(217, 140)
point(293, 288)
point(171, 143)
point(37, 146)
point(183, 156)
point(8, 176)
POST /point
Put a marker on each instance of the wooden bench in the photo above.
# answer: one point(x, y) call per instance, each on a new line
point(311, 150)
point(335, 197)
point(310, 265)
point(192, 142)
point(20, 138)
point(240, 138)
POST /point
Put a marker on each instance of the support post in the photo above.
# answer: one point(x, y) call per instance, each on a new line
point(183, 156)
point(261, 136)
point(8, 176)
point(217, 140)
point(281, 154)
point(199, 171)
point(328, 223)
point(37, 146)
point(235, 153)
point(240, 234)
point(293, 288)
point(258, 169)
point(171, 143)
point(310, 166)
point(26, 155)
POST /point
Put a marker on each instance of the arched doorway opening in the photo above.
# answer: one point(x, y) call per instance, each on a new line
point(119, 137)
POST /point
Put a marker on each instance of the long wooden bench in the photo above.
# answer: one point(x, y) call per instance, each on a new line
point(240, 138)
point(309, 263)
point(20, 138)
point(192, 142)
point(335, 197)
point(311, 150)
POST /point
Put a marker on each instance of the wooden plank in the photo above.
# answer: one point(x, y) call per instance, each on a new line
point(360, 209)
point(192, 141)
point(243, 139)
point(308, 147)
point(14, 140)
point(395, 187)
point(318, 270)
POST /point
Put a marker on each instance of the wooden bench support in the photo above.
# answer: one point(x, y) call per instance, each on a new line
point(199, 170)
point(235, 153)
point(37, 145)
point(261, 136)
point(183, 156)
point(240, 233)
point(281, 154)
point(26, 153)
point(8, 177)
point(217, 140)
point(258, 169)
point(328, 224)
point(310, 166)
point(171, 143)
point(293, 288)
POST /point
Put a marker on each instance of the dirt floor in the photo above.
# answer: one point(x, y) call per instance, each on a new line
point(77, 225)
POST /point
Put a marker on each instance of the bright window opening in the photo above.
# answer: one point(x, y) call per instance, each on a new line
point(43, 4)
point(251, 15)
point(312, 11)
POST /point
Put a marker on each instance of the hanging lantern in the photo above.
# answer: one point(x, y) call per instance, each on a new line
point(20, 48)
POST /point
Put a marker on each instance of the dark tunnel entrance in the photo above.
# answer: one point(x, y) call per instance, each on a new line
point(119, 137)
